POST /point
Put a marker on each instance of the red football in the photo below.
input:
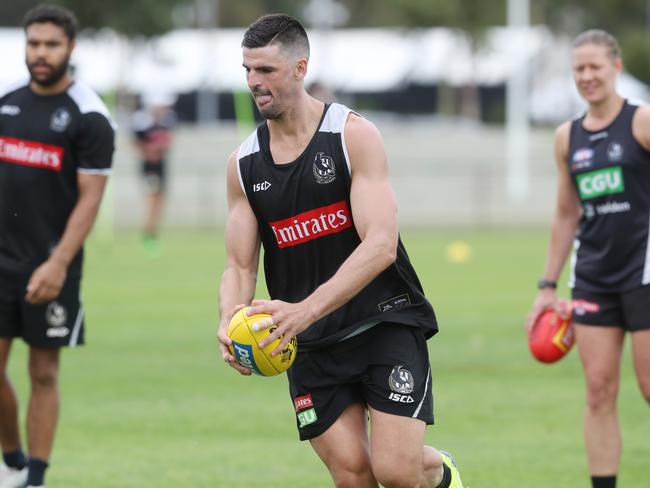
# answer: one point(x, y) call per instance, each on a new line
point(551, 337)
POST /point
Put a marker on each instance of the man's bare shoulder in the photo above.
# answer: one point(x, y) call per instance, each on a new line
point(360, 131)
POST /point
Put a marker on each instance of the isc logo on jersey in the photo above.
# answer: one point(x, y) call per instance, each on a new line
point(601, 182)
point(261, 186)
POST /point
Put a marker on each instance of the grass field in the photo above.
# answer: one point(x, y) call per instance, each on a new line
point(148, 402)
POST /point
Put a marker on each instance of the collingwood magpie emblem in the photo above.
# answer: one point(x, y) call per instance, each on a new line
point(615, 151)
point(401, 380)
point(56, 314)
point(324, 168)
point(60, 120)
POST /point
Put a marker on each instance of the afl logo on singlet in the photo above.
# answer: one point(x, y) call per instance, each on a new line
point(324, 169)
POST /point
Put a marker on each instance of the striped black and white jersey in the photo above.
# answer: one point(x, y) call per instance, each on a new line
point(611, 173)
point(44, 142)
point(307, 231)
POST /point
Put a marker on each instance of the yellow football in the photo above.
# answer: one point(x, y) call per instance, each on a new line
point(246, 350)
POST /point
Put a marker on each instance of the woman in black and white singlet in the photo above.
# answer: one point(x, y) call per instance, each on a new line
point(603, 211)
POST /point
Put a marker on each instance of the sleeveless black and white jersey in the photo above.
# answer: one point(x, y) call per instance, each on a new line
point(307, 231)
point(44, 142)
point(611, 173)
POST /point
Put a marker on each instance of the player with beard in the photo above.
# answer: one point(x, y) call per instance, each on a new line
point(56, 147)
point(311, 185)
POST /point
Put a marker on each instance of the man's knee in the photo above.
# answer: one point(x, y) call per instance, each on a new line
point(351, 471)
point(44, 379)
point(399, 472)
point(43, 372)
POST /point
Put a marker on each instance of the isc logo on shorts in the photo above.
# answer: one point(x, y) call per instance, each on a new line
point(396, 397)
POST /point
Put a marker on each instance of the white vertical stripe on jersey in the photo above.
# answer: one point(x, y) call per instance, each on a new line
point(335, 120)
point(574, 259)
point(424, 395)
point(646, 268)
point(74, 337)
point(241, 181)
point(250, 146)
point(345, 151)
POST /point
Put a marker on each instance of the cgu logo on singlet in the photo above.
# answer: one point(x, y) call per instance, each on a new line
point(601, 182)
point(312, 224)
point(31, 153)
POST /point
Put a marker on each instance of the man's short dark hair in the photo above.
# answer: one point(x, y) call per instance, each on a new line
point(54, 14)
point(277, 29)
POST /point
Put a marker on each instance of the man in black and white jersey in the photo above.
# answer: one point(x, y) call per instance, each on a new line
point(56, 147)
point(603, 207)
point(152, 127)
point(311, 185)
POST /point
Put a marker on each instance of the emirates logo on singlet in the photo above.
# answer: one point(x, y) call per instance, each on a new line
point(31, 153)
point(311, 225)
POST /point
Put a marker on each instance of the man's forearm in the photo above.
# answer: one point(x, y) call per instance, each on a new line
point(367, 261)
point(237, 286)
point(77, 228)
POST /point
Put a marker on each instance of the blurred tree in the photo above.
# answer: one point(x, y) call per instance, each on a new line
point(627, 20)
point(11, 13)
point(131, 17)
point(635, 44)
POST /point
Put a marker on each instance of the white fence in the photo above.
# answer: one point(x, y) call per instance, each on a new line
point(444, 175)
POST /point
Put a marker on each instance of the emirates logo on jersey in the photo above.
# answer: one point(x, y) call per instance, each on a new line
point(311, 225)
point(31, 153)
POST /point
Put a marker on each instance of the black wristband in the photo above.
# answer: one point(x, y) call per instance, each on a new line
point(543, 283)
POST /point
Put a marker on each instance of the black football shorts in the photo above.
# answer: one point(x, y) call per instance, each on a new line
point(155, 175)
point(55, 324)
point(385, 367)
point(629, 309)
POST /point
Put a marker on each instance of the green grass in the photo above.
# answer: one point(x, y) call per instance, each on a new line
point(148, 402)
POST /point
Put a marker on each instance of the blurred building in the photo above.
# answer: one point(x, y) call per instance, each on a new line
point(422, 71)
point(426, 87)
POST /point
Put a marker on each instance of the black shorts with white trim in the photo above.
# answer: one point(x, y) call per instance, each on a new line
point(386, 367)
point(629, 309)
point(58, 323)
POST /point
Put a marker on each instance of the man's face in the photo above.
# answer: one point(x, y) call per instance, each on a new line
point(270, 78)
point(47, 53)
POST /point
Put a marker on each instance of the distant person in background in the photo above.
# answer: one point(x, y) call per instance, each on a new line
point(603, 208)
point(320, 92)
point(56, 148)
point(152, 128)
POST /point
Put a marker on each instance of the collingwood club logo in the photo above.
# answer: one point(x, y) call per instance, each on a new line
point(401, 380)
point(60, 120)
point(56, 314)
point(324, 168)
point(615, 151)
